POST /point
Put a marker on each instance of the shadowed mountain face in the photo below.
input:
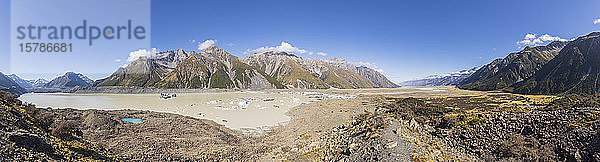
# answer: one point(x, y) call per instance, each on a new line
point(10, 86)
point(516, 67)
point(295, 72)
point(69, 80)
point(285, 68)
point(576, 69)
point(215, 68)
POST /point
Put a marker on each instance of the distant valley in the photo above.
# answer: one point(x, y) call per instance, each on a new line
point(450, 79)
point(561, 67)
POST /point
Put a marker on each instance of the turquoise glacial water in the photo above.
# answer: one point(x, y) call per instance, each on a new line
point(133, 120)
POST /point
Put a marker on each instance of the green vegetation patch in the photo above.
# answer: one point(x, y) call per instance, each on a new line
point(586, 120)
point(220, 79)
point(464, 111)
point(574, 100)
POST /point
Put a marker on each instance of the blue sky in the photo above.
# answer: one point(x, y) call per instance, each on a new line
point(96, 60)
point(405, 39)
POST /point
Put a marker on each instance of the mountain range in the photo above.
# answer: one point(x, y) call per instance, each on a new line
point(561, 67)
point(69, 80)
point(9, 85)
point(450, 79)
point(557, 68)
point(145, 71)
point(28, 84)
point(516, 67)
point(576, 69)
point(38, 83)
point(295, 72)
point(216, 68)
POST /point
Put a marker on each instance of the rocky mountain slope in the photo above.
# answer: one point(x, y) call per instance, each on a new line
point(28, 84)
point(450, 79)
point(321, 67)
point(8, 85)
point(215, 68)
point(31, 134)
point(285, 67)
point(378, 79)
point(296, 72)
point(69, 80)
point(576, 69)
point(146, 71)
point(20, 81)
point(335, 73)
point(515, 67)
point(38, 83)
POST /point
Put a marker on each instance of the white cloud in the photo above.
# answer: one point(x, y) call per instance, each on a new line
point(530, 36)
point(532, 40)
point(547, 37)
point(142, 53)
point(370, 65)
point(367, 64)
point(284, 47)
point(193, 41)
point(597, 21)
point(322, 53)
point(207, 43)
point(118, 60)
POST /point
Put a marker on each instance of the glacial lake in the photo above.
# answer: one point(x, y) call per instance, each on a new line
point(236, 110)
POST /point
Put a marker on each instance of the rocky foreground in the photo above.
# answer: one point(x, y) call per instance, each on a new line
point(27, 135)
point(519, 129)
